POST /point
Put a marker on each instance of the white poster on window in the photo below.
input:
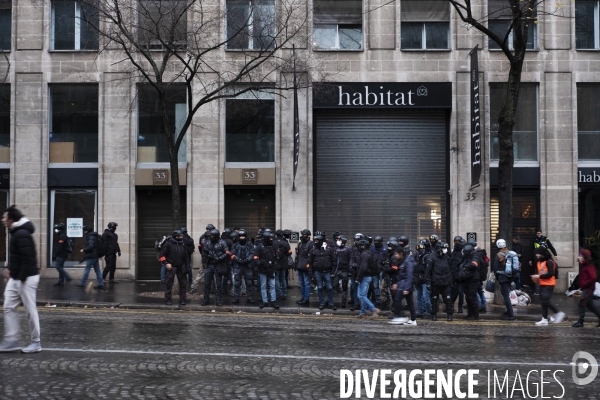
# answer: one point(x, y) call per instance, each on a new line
point(74, 227)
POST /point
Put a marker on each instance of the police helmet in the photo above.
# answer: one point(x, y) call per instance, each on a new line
point(403, 240)
point(112, 225)
point(87, 228)
point(60, 227)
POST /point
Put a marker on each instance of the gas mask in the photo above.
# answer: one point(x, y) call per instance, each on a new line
point(56, 230)
point(444, 251)
point(242, 240)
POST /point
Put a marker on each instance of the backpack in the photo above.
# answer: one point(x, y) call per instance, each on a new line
point(372, 264)
point(69, 244)
point(101, 247)
point(513, 266)
point(555, 269)
point(158, 243)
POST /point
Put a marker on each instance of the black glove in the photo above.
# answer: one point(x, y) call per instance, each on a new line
point(119, 253)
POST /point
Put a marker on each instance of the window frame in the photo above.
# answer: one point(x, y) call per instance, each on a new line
point(518, 163)
point(424, 37)
point(404, 20)
point(590, 86)
point(596, 28)
point(77, 34)
point(510, 39)
point(337, 34)
point(10, 32)
point(155, 45)
point(250, 27)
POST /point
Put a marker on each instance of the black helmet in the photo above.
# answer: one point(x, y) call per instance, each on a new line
point(378, 239)
point(420, 246)
point(441, 246)
point(403, 240)
point(337, 234)
point(112, 225)
point(241, 232)
point(183, 230)
point(320, 233)
point(472, 243)
point(266, 232)
point(318, 239)
point(60, 227)
point(468, 249)
point(268, 237)
point(358, 237)
point(434, 238)
point(214, 235)
point(210, 227)
point(343, 239)
point(369, 239)
point(424, 242)
point(234, 237)
point(177, 233)
point(287, 233)
point(227, 231)
point(305, 232)
point(392, 241)
point(279, 233)
point(458, 239)
point(363, 243)
point(87, 228)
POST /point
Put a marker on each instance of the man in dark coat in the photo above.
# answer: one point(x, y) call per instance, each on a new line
point(174, 255)
point(23, 279)
point(60, 254)
point(191, 248)
point(112, 242)
point(91, 239)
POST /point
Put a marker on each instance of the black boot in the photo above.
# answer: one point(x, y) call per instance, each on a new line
point(449, 317)
point(578, 324)
point(460, 309)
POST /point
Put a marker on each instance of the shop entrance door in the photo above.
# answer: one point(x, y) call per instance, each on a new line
point(154, 219)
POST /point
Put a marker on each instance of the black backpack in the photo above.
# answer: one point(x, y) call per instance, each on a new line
point(158, 243)
point(69, 244)
point(101, 247)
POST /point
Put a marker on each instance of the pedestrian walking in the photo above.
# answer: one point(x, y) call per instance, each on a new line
point(587, 283)
point(61, 252)
point(364, 276)
point(112, 243)
point(546, 278)
point(403, 287)
point(91, 258)
point(502, 278)
point(23, 279)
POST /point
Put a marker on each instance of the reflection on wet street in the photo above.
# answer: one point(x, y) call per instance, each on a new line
point(117, 354)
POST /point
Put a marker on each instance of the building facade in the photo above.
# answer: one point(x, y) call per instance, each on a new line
point(384, 148)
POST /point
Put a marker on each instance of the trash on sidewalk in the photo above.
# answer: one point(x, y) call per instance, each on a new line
point(48, 304)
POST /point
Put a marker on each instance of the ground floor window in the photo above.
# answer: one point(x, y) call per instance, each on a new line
point(74, 208)
point(589, 218)
point(526, 220)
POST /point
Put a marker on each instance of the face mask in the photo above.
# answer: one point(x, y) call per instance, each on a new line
point(304, 239)
point(378, 245)
point(444, 251)
point(339, 243)
point(243, 241)
point(56, 230)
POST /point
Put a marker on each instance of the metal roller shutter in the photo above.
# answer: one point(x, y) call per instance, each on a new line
point(381, 172)
point(250, 209)
point(154, 219)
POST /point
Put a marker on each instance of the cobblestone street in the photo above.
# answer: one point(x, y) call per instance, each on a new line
point(118, 354)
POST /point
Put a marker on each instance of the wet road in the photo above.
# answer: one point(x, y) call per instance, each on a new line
point(120, 354)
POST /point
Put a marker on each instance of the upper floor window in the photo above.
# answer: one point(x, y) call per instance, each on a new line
point(73, 26)
point(425, 25)
point(74, 123)
point(588, 121)
point(250, 128)
point(338, 25)
point(162, 24)
point(251, 24)
point(587, 24)
point(499, 22)
point(5, 24)
point(4, 123)
point(152, 141)
point(525, 137)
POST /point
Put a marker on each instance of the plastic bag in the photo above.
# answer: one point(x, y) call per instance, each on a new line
point(490, 285)
point(597, 290)
point(514, 299)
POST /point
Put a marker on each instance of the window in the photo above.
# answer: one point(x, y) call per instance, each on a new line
point(74, 26)
point(5, 24)
point(250, 128)
point(250, 24)
point(4, 123)
point(588, 121)
point(587, 24)
point(74, 123)
point(499, 21)
point(338, 25)
point(425, 25)
point(162, 24)
point(152, 142)
point(526, 121)
point(74, 208)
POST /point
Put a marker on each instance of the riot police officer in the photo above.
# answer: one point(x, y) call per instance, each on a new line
point(439, 280)
point(218, 255)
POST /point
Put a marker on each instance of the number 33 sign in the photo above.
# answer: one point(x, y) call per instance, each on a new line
point(160, 176)
point(249, 176)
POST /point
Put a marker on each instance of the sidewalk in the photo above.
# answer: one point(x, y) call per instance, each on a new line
point(126, 294)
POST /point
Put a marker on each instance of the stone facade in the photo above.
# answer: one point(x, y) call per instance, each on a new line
point(556, 67)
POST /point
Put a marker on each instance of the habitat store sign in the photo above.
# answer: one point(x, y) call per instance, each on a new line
point(588, 175)
point(383, 95)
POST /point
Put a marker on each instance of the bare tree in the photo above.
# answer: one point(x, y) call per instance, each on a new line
point(214, 53)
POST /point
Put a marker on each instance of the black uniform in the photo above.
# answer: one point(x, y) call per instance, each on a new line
point(191, 248)
point(439, 279)
point(343, 256)
point(218, 256)
point(469, 276)
point(458, 287)
point(112, 241)
point(242, 256)
point(174, 252)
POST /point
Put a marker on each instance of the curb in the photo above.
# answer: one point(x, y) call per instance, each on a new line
point(267, 310)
